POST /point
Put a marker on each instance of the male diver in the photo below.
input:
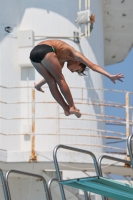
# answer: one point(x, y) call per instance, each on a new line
point(48, 58)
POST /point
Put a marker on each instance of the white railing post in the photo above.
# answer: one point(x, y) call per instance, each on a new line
point(127, 121)
point(33, 156)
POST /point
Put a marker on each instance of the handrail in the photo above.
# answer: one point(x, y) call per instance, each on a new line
point(49, 186)
point(97, 117)
point(4, 185)
point(57, 166)
point(85, 103)
point(104, 89)
point(28, 174)
point(129, 145)
point(110, 158)
point(55, 179)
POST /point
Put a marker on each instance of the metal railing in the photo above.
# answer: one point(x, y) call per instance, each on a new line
point(93, 117)
point(109, 158)
point(6, 197)
point(49, 186)
point(130, 148)
point(27, 174)
point(56, 180)
point(57, 166)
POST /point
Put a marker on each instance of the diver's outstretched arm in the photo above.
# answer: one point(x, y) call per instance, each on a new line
point(81, 58)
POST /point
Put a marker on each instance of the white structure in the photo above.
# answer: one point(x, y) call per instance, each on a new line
point(118, 30)
point(31, 127)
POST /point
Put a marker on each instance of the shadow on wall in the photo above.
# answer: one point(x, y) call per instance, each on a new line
point(10, 17)
point(92, 95)
point(12, 21)
point(14, 17)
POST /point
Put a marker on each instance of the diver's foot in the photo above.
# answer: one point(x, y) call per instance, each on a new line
point(75, 111)
point(66, 111)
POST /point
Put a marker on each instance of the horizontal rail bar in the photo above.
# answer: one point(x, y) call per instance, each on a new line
point(106, 116)
point(82, 88)
point(110, 158)
point(41, 36)
point(81, 119)
point(82, 103)
point(103, 146)
point(67, 134)
point(99, 130)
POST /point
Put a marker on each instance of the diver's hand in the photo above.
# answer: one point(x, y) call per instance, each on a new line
point(116, 77)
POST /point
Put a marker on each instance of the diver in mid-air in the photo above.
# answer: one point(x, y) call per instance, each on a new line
point(48, 58)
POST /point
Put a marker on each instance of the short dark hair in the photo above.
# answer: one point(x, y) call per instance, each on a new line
point(84, 68)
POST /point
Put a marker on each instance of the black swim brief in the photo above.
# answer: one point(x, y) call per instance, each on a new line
point(39, 52)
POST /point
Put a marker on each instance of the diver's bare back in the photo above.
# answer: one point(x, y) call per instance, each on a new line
point(62, 49)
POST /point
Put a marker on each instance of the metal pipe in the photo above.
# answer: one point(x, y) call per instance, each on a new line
point(91, 129)
point(65, 134)
point(79, 5)
point(82, 103)
point(88, 3)
point(86, 103)
point(44, 36)
point(55, 179)
point(58, 173)
point(103, 146)
point(28, 174)
point(33, 156)
point(57, 166)
point(86, 196)
point(90, 119)
point(110, 158)
point(129, 145)
point(105, 116)
point(104, 89)
point(132, 120)
point(58, 125)
point(4, 186)
point(127, 121)
point(49, 186)
point(130, 182)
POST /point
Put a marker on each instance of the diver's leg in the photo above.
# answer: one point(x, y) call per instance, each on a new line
point(52, 86)
point(52, 64)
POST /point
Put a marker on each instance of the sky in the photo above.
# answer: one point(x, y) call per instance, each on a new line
point(126, 68)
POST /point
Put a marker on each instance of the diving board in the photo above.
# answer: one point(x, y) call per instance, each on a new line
point(102, 186)
point(58, 170)
point(97, 184)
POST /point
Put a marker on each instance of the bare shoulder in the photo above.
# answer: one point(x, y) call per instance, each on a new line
point(57, 44)
point(62, 49)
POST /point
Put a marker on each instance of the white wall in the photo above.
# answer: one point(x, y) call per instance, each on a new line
point(53, 19)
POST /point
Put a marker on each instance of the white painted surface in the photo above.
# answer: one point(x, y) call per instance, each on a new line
point(118, 30)
point(54, 21)
point(46, 18)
